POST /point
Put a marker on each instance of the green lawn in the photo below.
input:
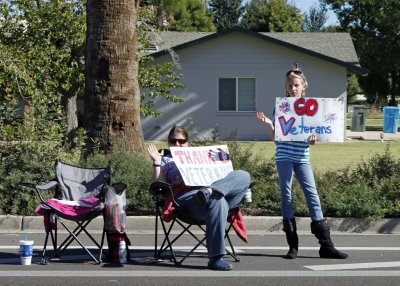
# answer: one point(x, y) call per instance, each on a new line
point(374, 123)
point(327, 156)
point(333, 156)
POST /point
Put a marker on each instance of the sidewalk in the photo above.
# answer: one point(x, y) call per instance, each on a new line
point(371, 136)
point(255, 225)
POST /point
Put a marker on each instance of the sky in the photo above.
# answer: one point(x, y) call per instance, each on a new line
point(304, 6)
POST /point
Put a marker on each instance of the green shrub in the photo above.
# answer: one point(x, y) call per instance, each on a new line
point(378, 168)
point(135, 170)
point(352, 200)
point(370, 190)
point(390, 190)
point(24, 162)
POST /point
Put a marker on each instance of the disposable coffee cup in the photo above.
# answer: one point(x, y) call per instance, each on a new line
point(25, 251)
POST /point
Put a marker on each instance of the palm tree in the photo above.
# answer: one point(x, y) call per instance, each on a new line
point(112, 96)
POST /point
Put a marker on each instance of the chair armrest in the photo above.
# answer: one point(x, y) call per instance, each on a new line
point(47, 186)
point(159, 189)
point(119, 187)
point(38, 188)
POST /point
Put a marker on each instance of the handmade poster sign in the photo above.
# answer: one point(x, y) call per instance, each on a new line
point(297, 118)
point(201, 166)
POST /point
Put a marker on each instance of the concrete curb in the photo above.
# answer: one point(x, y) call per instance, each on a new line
point(255, 224)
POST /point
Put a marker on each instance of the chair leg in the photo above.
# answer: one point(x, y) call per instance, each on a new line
point(43, 261)
point(167, 241)
point(233, 253)
point(77, 231)
point(101, 247)
point(68, 240)
point(83, 228)
point(191, 251)
point(186, 229)
point(158, 251)
point(49, 231)
point(73, 235)
point(79, 242)
point(155, 236)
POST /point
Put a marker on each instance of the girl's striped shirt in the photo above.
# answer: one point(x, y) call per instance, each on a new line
point(295, 151)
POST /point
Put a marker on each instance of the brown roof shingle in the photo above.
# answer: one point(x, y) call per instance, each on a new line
point(334, 47)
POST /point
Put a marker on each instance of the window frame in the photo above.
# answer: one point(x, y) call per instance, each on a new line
point(237, 79)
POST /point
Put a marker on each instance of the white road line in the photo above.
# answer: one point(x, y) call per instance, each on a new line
point(395, 248)
point(237, 248)
point(197, 273)
point(36, 259)
point(349, 266)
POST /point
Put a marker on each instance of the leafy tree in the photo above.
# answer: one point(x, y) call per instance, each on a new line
point(155, 79)
point(42, 57)
point(226, 13)
point(154, 87)
point(272, 16)
point(315, 19)
point(331, 29)
point(112, 96)
point(353, 87)
point(182, 15)
point(42, 60)
point(195, 18)
point(374, 26)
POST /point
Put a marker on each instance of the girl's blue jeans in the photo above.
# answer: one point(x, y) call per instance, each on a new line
point(305, 176)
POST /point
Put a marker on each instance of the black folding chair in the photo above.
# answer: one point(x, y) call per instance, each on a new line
point(183, 218)
point(80, 192)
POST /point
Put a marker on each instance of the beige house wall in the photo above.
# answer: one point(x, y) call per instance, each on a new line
point(238, 55)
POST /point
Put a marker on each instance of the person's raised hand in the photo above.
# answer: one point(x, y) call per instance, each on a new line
point(261, 116)
point(312, 139)
point(154, 154)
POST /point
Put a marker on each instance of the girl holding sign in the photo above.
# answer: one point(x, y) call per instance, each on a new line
point(294, 157)
point(211, 203)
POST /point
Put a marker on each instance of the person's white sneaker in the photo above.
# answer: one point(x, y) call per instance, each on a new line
point(247, 199)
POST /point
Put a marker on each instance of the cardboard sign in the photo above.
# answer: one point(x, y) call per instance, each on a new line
point(201, 166)
point(297, 118)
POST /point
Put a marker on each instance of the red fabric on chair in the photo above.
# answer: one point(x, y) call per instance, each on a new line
point(71, 208)
point(239, 225)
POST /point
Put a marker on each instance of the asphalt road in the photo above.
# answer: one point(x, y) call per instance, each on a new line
point(374, 260)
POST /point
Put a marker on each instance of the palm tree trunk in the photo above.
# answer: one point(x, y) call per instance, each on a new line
point(112, 96)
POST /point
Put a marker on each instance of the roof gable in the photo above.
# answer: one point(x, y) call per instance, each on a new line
point(336, 48)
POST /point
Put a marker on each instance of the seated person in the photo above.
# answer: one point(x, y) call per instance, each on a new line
point(210, 203)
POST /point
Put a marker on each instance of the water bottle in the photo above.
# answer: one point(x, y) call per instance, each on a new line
point(122, 253)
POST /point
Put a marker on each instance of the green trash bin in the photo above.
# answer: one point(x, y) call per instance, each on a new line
point(359, 118)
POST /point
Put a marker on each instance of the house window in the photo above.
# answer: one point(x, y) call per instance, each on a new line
point(236, 94)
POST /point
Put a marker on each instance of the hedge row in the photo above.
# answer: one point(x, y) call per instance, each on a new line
point(370, 190)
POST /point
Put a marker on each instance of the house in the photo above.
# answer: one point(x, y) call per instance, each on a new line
point(232, 74)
